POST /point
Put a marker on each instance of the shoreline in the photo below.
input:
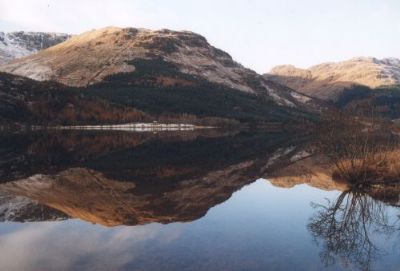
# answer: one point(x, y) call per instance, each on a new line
point(134, 127)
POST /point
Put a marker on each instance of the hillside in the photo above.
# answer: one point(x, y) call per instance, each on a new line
point(24, 100)
point(164, 72)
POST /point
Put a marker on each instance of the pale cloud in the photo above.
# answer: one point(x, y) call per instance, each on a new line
point(77, 16)
point(71, 245)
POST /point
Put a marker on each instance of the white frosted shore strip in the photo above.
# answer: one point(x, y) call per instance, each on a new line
point(136, 127)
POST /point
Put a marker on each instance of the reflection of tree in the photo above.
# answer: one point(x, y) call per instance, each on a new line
point(346, 227)
point(365, 155)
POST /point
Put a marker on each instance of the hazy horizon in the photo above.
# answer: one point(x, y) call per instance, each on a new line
point(259, 35)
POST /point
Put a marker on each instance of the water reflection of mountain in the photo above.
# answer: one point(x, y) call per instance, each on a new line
point(110, 180)
point(135, 179)
point(130, 179)
point(312, 169)
point(25, 154)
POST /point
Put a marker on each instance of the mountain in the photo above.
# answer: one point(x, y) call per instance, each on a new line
point(19, 44)
point(328, 80)
point(163, 72)
point(360, 84)
point(90, 57)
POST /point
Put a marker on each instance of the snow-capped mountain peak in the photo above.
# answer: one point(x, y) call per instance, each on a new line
point(19, 44)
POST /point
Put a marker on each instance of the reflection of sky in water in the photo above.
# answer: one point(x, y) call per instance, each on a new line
point(260, 227)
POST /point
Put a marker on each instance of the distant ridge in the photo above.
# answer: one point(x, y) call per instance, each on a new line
point(328, 80)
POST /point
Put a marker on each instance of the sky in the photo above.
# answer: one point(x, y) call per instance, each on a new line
point(259, 34)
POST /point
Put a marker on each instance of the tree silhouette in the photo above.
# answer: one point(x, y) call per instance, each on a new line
point(347, 227)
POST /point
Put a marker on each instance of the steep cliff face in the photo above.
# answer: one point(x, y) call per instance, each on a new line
point(19, 44)
point(328, 80)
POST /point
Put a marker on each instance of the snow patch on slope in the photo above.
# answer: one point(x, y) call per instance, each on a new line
point(299, 97)
point(10, 49)
point(20, 44)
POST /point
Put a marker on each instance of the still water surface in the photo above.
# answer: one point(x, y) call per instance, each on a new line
point(112, 201)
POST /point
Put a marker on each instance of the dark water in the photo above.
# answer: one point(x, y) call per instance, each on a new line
point(187, 201)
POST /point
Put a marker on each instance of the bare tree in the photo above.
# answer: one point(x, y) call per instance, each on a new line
point(345, 226)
